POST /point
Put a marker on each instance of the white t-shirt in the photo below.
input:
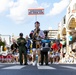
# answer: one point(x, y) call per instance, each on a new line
point(41, 34)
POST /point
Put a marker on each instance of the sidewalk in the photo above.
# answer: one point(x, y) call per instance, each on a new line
point(8, 63)
point(67, 61)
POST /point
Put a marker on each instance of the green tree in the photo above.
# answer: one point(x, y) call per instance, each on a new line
point(2, 44)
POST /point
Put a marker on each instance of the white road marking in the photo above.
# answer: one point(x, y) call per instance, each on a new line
point(14, 67)
point(45, 67)
point(1, 65)
point(70, 67)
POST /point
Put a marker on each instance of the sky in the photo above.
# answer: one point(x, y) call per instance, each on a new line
point(14, 16)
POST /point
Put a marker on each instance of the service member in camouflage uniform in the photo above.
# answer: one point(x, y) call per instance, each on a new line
point(22, 49)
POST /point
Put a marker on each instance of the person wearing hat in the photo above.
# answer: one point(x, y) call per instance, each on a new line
point(22, 49)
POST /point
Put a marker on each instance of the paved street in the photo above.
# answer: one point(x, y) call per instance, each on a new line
point(53, 69)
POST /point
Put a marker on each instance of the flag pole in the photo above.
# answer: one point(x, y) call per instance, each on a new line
point(35, 17)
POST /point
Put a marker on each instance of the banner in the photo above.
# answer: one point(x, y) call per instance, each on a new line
point(35, 11)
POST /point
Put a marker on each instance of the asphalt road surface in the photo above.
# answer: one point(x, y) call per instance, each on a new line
point(53, 69)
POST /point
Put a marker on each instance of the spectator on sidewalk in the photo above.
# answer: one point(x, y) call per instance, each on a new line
point(15, 54)
point(28, 43)
point(56, 51)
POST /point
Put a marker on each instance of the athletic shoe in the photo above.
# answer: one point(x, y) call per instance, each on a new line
point(38, 64)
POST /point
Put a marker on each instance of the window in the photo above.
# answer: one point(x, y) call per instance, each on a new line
point(74, 7)
point(64, 20)
point(68, 10)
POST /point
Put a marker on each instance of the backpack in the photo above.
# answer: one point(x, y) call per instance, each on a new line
point(45, 43)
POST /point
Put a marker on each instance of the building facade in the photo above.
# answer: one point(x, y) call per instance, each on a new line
point(52, 34)
point(67, 27)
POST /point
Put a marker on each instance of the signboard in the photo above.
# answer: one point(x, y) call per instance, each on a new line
point(35, 11)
